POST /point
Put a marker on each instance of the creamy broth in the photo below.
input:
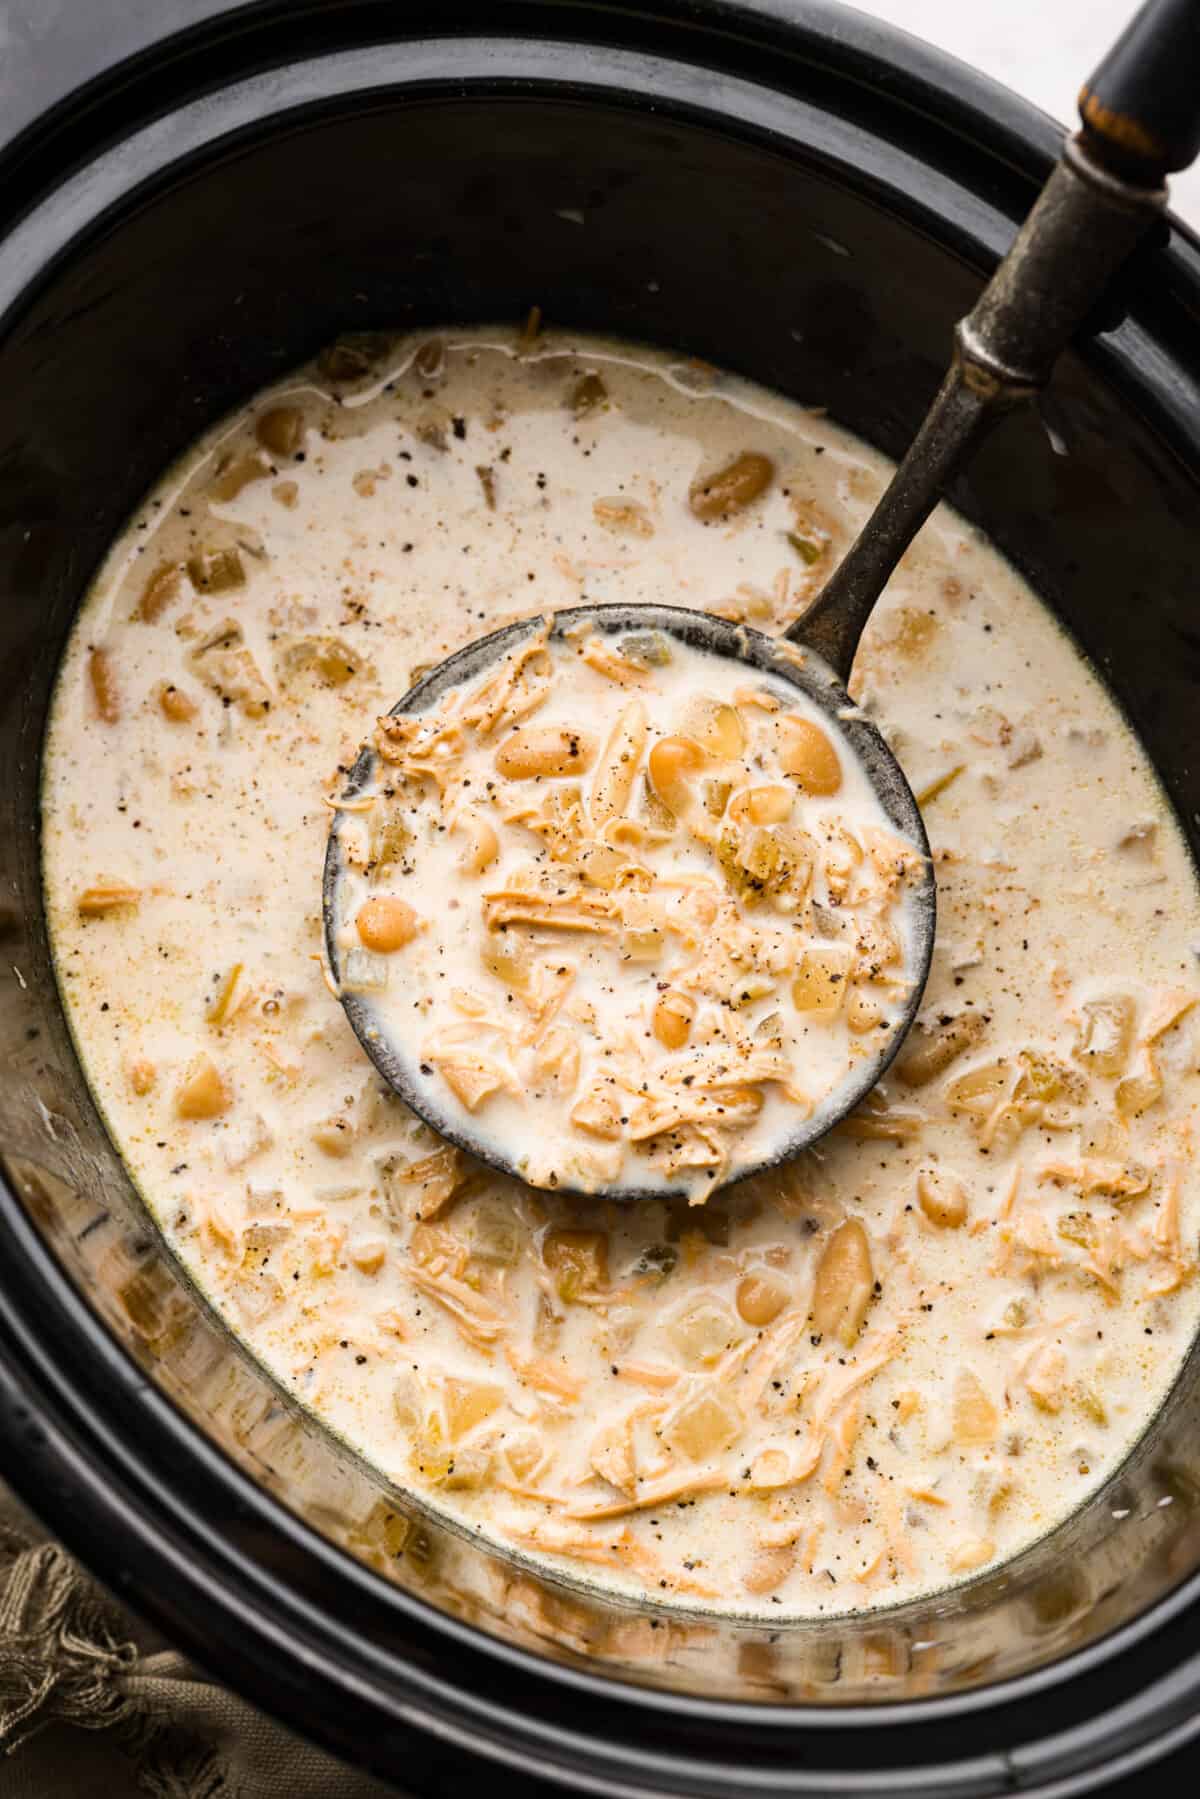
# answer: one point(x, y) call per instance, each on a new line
point(628, 913)
point(881, 1369)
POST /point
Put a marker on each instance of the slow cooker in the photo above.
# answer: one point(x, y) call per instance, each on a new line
point(794, 192)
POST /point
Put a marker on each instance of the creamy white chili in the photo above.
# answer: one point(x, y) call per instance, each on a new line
point(880, 1369)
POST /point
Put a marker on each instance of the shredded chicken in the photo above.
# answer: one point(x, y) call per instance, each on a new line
point(679, 1484)
point(474, 1318)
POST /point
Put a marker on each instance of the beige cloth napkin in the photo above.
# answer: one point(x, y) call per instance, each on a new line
point(92, 1702)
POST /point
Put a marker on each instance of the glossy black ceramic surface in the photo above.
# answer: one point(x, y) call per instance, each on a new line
point(799, 195)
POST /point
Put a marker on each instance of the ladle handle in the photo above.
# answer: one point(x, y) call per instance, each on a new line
point(1141, 118)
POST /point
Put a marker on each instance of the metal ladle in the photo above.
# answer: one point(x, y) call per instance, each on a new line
point(1141, 119)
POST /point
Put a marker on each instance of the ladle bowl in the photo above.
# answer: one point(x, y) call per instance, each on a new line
point(399, 1062)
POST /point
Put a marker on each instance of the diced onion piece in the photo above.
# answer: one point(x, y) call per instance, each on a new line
point(578, 1261)
point(1046, 1379)
point(364, 972)
point(238, 472)
point(1105, 1033)
point(932, 1048)
point(368, 1254)
point(1140, 1090)
point(215, 571)
point(467, 1403)
point(598, 1111)
point(705, 1424)
point(702, 1329)
point(820, 982)
point(203, 1093)
point(974, 1418)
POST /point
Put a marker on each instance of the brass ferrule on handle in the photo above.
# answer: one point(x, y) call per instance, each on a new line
point(1082, 229)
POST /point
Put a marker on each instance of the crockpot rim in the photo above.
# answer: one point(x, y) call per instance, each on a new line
point(121, 97)
point(809, 22)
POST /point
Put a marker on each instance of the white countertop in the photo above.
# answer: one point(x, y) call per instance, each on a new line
point(1045, 49)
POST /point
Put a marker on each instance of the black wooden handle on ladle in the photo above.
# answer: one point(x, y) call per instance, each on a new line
point(1141, 119)
point(1141, 109)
